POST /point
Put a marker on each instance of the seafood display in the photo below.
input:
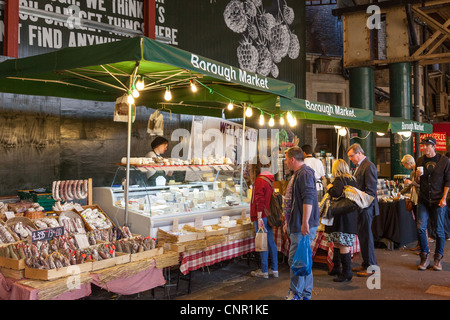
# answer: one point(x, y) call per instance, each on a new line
point(67, 190)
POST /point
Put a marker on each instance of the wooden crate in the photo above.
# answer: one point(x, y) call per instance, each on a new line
point(201, 234)
point(146, 254)
point(12, 263)
point(217, 230)
point(214, 240)
point(240, 235)
point(13, 274)
point(120, 258)
point(167, 259)
point(184, 236)
point(52, 274)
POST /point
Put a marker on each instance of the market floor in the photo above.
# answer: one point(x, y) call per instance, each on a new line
point(398, 279)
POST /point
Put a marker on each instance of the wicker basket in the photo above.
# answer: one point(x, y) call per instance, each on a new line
point(13, 221)
point(34, 215)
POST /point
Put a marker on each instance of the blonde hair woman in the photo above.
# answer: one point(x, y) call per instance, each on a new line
point(345, 226)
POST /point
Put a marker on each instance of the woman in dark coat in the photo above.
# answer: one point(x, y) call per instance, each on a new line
point(345, 226)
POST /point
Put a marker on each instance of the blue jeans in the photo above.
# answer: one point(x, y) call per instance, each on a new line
point(272, 249)
point(302, 286)
point(424, 212)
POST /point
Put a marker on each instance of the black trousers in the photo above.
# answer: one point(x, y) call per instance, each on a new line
point(365, 236)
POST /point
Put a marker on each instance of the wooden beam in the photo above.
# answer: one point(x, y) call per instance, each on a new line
point(11, 39)
point(150, 18)
point(431, 39)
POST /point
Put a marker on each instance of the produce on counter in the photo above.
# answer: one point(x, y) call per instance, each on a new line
point(96, 219)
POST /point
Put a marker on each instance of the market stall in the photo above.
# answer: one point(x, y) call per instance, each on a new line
point(138, 71)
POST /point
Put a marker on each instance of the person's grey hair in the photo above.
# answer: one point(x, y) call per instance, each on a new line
point(407, 158)
point(356, 147)
point(296, 153)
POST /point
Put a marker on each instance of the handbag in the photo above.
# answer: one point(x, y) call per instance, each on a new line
point(274, 213)
point(261, 240)
point(302, 261)
point(361, 198)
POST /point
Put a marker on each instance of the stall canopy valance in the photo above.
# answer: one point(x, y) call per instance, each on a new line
point(361, 119)
point(105, 72)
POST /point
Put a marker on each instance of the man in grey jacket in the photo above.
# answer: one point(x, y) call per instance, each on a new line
point(301, 210)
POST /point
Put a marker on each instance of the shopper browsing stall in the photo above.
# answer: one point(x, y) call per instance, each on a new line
point(262, 189)
point(301, 210)
point(317, 166)
point(345, 226)
point(366, 178)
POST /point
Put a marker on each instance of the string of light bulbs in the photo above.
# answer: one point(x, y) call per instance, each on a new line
point(139, 85)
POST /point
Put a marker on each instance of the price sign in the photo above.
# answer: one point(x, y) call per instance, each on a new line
point(47, 234)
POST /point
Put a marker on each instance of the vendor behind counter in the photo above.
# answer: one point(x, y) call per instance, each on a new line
point(159, 147)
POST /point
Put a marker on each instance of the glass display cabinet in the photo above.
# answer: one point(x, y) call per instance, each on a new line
point(159, 195)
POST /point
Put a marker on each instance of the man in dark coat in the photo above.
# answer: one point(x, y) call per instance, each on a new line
point(366, 177)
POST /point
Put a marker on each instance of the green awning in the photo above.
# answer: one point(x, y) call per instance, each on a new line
point(360, 119)
point(402, 125)
point(329, 114)
point(106, 71)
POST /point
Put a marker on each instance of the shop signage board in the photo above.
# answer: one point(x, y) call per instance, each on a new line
point(441, 140)
point(47, 234)
point(196, 26)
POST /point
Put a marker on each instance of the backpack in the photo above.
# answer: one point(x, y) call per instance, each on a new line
point(275, 212)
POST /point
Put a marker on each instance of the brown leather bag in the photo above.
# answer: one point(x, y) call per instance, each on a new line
point(409, 204)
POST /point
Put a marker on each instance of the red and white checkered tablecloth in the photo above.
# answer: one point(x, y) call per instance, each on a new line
point(198, 259)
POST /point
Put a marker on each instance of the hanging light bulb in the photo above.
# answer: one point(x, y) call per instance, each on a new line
point(289, 117)
point(293, 122)
point(140, 84)
point(135, 93)
point(342, 132)
point(249, 112)
point(193, 86)
point(230, 106)
point(380, 134)
point(261, 119)
point(168, 94)
point(282, 120)
point(130, 99)
point(406, 134)
point(271, 121)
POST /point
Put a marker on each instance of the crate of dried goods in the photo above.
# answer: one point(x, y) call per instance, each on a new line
point(138, 247)
point(95, 218)
point(44, 261)
point(72, 222)
point(12, 256)
point(22, 227)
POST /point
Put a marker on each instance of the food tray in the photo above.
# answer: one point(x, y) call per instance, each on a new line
point(94, 206)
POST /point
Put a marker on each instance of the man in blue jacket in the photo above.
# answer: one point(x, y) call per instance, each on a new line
point(301, 210)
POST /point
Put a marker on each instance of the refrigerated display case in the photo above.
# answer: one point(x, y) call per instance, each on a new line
point(181, 194)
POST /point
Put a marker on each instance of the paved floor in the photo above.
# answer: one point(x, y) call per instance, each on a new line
point(399, 280)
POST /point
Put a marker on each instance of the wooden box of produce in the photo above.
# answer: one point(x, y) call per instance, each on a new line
point(120, 258)
point(240, 235)
point(200, 232)
point(176, 237)
point(145, 255)
point(240, 227)
point(10, 257)
point(215, 230)
point(13, 274)
point(167, 259)
point(95, 217)
point(52, 274)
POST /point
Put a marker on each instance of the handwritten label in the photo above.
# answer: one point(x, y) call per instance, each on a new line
point(47, 234)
